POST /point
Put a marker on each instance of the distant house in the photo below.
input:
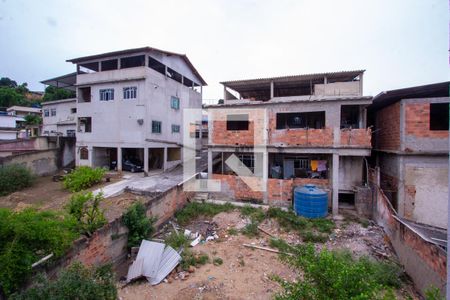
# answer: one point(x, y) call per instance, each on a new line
point(59, 117)
point(411, 147)
point(8, 126)
point(22, 111)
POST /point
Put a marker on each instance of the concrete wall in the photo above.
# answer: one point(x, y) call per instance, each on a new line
point(338, 89)
point(40, 162)
point(350, 172)
point(424, 262)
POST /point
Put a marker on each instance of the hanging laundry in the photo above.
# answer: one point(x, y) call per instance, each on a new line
point(322, 165)
point(314, 164)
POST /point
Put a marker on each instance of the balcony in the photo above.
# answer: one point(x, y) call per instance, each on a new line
point(356, 138)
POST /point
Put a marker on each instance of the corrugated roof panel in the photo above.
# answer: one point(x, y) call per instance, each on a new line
point(151, 253)
point(169, 261)
point(135, 270)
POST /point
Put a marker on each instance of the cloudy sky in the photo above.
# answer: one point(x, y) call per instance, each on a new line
point(399, 42)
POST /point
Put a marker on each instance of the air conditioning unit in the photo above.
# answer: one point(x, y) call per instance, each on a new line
point(140, 121)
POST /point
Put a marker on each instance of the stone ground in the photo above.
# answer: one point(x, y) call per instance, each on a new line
point(245, 273)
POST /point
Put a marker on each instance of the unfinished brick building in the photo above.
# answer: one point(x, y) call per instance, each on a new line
point(411, 149)
point(289, 131)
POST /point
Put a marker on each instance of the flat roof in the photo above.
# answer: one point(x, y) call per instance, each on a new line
point(59, 101)
point(137, 50)
point(64, 81)
point(248, 83)
point(386, 98)
point(24, 108)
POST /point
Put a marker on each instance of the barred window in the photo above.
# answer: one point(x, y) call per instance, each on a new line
point(174, 102)
point(156, 127)
point(175, 128)
point(106, 94)
point(130, 92)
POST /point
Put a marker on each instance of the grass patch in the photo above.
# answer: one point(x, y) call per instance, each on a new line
point(335, 274)
point(190, 258)
point(14, 177)
point(217, 261)
point(233, 231)
point(177, 240)
point(256, 214)
point(251, 229)
point(194, 210)
point(311, 230)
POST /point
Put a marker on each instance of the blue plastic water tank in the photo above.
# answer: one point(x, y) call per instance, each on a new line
point(310, 201)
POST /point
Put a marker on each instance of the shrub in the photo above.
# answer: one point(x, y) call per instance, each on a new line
point(82, 178)
point(335, 274)
point(85, 207)
point(27, 236)
point(251, 229)
point(189, 258)
point(256, 214)
point(177, 241)
point(433, 293)
point(139, 226)
point(13, 178)
point(217, 261)
point(76, 282)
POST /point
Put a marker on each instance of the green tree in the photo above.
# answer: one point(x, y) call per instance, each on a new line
point(53, 93)
point(9, 97)
point(33, 119)
point(7, 82)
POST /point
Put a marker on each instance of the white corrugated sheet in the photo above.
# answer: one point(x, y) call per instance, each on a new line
point(170, 260)
point(151, 252)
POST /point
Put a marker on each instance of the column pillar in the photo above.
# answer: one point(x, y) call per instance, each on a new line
point(119, 159)
point(335, 183)
point(265, 175)
point(91, 156)
point(145, 161)
point(210, 163)
point(271, 89)
point(165, 159)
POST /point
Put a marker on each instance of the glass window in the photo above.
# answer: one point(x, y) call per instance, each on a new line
point(156, 127)
point(130, 92)
point(175, 128)
point(46, 113)
point(174, 102)
point(106, 94)
point(53, 112)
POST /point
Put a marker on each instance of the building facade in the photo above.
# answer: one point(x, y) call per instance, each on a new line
point(291, 131)
point(130, 107)
point(411, 149)
point(59, 117)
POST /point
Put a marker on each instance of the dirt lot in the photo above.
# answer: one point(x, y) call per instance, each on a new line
point(245, 273)
point(44, 194)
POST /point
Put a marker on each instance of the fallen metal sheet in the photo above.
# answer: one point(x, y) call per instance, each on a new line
point(135, 270)
point(151, 253)
point(170, 259)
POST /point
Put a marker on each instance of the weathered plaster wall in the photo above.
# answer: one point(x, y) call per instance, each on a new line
point(40, 162)
point(424, 262)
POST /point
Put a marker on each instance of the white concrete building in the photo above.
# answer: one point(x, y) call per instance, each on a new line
point(8, 127)
point(130, 106)
point(22, 111)
point(59, 117)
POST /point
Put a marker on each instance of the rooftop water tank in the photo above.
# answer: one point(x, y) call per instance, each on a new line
point(310, 201)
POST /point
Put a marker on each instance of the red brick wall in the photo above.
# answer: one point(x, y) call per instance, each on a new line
point(417, 121)
point(222, 136)
point(356, 137)
point(278, 190)
point(388, 128)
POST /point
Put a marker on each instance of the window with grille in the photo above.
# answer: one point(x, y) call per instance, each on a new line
point(247, 160)
point(106, 94)
point(53, 112)
point(174, 102)
point(175, 128)
point(156, 127)
point(46, 113)
point(130, 92)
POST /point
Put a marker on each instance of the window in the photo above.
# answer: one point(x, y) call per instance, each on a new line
point(247, 160)
point(132, 61)
point(175, 128)
point(73, 110)
point(350, 116)
point(53, 112)
point(84, 94)
point(70, 132)
point(314, 120)
point(106, 94)
point(108, 65)
point(156, 127)
point(84, 153)
point(85, 124)
point(237, 122)
point(439, 117)
point(130, 92)
point(174, 102)
point(46, 113)
point(156, 65)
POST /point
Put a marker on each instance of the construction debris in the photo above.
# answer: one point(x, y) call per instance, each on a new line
point(154, 261)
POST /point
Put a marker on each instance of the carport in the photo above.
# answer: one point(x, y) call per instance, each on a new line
point(104, 157)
